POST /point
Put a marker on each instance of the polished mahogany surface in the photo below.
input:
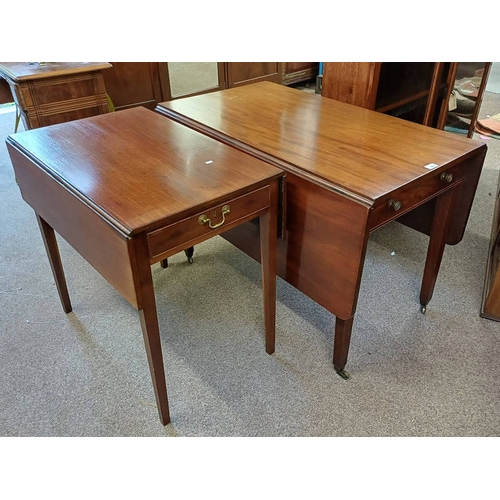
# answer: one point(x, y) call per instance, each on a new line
point(139, 169)
point(353, 149)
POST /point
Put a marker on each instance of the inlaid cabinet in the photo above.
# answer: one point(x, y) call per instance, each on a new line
point(47, 93)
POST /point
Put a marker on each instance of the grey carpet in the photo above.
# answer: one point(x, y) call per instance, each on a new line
point(86, 373)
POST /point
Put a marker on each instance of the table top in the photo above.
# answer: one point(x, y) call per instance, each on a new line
point(21, 71)
point(139, 169)
point(351, 149)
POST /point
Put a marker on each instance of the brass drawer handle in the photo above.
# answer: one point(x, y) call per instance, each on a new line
point(446, 177)
point(203, 219)
point(395, 204)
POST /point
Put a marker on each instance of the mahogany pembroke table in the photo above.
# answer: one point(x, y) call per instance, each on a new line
point(349, 171)
point(129, 189)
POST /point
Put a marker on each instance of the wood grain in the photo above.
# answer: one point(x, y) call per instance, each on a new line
point(351, 82)
point(164, 168)
point(355, 151)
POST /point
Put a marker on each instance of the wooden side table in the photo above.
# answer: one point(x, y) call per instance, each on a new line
point(129, 189)
point(56, 92)
point(349, 171)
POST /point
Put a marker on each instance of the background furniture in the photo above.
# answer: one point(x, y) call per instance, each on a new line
point(417, 92)
point(286, 73)
point(132, 84)
point(490, 305)
point(243, 73)
point(295, 72)
point(146, 84)
point(49, 93)
point(349, 171)
point(149, 83)
point(5, 93)
point(422, 92)
point(180, 187)
point(466, 96)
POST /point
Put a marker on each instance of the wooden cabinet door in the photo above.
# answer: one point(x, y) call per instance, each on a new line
point(243, 73)
point(132, 84)
point(351, 82)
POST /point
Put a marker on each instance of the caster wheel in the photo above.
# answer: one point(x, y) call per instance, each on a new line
point(342, 373)
point(189, 254)
point(423, 309)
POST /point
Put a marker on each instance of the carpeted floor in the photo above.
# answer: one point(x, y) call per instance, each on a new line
point(86, 373)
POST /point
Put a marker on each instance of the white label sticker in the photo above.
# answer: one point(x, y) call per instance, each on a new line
point(431, 166)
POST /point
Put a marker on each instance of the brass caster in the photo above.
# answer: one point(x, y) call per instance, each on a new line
point(423, 309)
point(343, 373)
point(189, 254)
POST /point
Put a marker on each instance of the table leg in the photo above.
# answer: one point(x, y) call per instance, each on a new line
point(268, 249)
point(50, 242)
point(343, 329)
point(151, 333)
point(437, 242)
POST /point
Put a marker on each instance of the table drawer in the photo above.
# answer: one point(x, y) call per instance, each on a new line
point(409, 197)
point(218, 218)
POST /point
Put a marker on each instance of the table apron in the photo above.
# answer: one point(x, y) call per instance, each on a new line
point(188, 232)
